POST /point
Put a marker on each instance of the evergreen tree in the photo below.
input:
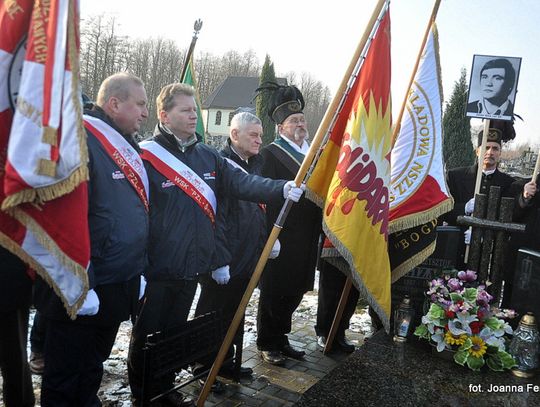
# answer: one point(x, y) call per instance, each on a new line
point(263, 102)
point(457, 145)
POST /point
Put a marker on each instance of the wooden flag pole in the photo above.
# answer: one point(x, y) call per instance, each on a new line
point(397, 128)
point(348, 283)
point(536, 167)
point(314, 148)
point(337, 318)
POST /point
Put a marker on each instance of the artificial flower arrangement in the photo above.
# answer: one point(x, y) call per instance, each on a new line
point(461, 319)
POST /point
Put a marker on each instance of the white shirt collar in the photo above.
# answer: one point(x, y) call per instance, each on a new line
point(303, 149)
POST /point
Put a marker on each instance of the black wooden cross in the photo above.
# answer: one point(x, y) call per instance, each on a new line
point(491, 224)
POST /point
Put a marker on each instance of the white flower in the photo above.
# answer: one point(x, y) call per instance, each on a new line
point(438, 338)
point(460, 325)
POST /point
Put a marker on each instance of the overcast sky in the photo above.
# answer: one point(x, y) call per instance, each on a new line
point(320, 38)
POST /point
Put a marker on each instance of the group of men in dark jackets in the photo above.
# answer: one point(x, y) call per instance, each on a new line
point(179, 213)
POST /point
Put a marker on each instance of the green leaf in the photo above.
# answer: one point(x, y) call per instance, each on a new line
point(470, 295)
point(506, 359)
point(436, 312)
point(475, 363)
point(455, 297)
point(422, 331)
point(493, 323)
point(466, 345)
point(495, 363)
point(461, 357)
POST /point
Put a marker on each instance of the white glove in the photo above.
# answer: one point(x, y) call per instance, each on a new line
point(292, 192)
point(90, 305)
point(221, 275)
point(142, 287)
point(467, 235)
point(469, 207)
point(275, 250)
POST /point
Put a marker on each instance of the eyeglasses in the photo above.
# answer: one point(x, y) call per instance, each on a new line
point(296, 121)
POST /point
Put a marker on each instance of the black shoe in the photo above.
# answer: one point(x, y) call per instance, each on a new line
point(273, 357)
point(217, 387)
point(229, 372)
point(290, 352)
point(344, 345)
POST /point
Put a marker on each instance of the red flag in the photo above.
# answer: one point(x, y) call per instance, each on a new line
point(43, 176)
point(353, 173)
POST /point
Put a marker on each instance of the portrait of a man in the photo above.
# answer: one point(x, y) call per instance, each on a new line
point(493, 85)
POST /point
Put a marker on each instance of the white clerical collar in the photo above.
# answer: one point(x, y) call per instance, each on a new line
point(488, 172)
point(303, 149)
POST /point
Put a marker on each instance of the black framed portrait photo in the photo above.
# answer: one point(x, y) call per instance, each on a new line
point(493, 86)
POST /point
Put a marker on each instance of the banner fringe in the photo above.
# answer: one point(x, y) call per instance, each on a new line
point(412, 262)
point(357, 279)
point(419, 218)
point(45, 240)
point(41, 195)
point(314, 197)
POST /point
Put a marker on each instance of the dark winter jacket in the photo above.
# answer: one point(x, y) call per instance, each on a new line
point(244, 224)
point(119, 227)
point(182, 237)
point(461, 183)
point(293, 271)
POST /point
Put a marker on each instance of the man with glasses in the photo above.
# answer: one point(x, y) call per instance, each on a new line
point(289, 276)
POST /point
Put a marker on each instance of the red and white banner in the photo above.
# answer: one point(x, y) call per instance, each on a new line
point(43, 175)
point(418, 190)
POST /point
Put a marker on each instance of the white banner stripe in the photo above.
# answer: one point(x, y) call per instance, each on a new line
point(71, 286)
point(59, 65)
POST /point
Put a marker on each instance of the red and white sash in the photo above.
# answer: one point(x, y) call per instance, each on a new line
point(182, 176)
point(123, 154)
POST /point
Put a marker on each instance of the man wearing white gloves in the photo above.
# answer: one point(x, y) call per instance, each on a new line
point(75, 350)
point(243, 236)
point(188, 182)
point(288, 277)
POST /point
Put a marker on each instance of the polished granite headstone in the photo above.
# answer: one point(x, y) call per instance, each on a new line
point(447, 255)
point(526, 287)
point(383, 373)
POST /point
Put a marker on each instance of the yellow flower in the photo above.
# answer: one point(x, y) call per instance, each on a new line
point(478, 348)
point(453, 339)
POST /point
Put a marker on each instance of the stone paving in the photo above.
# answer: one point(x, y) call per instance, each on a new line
point(279, 385)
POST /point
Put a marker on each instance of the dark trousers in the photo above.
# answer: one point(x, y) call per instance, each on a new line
point(274, 319)
point(331, 282)
point(37, 333)
point(17, 380)
point(74, 355)
point(226, 298)
point(166, 304)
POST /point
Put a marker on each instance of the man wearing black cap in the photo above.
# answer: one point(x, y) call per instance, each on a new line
point(288, 277)
point(462, 180)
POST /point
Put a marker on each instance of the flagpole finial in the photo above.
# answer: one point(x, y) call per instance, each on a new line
point(197, 27)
